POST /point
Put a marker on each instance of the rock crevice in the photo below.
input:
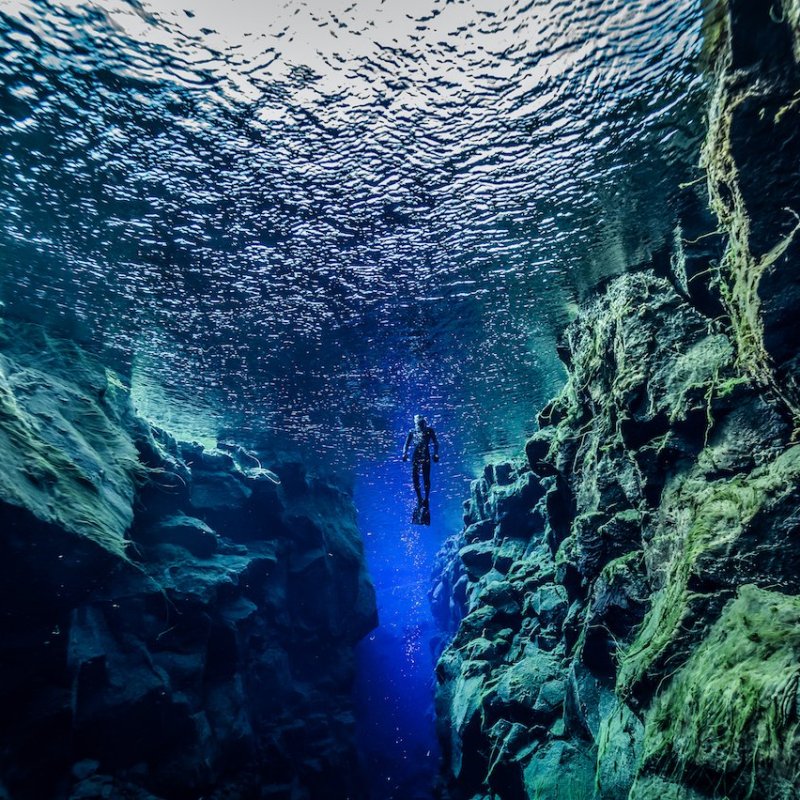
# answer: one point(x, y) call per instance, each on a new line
point(623, 596)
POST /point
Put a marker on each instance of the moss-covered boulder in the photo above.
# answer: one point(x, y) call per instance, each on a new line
point(729, 717)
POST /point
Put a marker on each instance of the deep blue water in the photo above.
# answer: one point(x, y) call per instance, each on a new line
point(394, 693)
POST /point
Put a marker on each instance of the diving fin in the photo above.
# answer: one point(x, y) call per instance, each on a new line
point(421, 514)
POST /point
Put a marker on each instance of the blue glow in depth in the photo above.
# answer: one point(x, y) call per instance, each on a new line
point(394, 691)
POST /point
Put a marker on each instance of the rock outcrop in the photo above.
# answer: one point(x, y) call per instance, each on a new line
point(630, 587)
point(175, 623)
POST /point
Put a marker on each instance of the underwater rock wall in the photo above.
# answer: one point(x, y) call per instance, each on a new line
point(630, 588)
point(174, 624)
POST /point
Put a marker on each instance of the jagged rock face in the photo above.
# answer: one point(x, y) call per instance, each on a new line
point(752, 159)
point(174, 623)
point(660, 491)
point(625, 597)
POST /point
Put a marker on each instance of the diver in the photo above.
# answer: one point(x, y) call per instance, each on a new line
point(421, 436)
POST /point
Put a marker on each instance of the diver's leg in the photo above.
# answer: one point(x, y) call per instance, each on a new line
point(426, 478)
point(415, 477)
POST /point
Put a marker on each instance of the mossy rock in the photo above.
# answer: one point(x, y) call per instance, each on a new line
point(619, 751)
point(729, 717)
point(654, 787)
point(66, 449)
point(701, 526)
point(561, 770)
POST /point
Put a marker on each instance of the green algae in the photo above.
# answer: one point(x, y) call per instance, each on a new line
point(698, 518)
point(731, 709)
point(740, 270)
point(560, 771)
point(64, 454)
point(666, 485)
point(619, 746)
point(655, 787)
point(622, 565)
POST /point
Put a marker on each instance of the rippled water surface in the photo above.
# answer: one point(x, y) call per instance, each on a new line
point(310, 219)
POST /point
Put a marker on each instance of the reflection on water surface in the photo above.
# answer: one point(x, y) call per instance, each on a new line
point(308, 221)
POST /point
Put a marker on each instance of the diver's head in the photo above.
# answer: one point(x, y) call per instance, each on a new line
point(420, 422)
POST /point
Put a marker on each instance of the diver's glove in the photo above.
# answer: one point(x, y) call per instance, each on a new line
point(436, 458)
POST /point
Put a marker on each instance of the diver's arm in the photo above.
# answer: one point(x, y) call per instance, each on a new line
point(435, 445)
point(407, 444)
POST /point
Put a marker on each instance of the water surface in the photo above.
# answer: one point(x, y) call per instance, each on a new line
point(290, 218)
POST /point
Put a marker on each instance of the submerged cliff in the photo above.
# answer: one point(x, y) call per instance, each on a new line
point(630, 587)
point(175, 622)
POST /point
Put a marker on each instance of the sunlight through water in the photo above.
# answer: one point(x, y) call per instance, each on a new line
point(297, 215)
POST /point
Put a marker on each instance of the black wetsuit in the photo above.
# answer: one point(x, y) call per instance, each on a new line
point(421, 439)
